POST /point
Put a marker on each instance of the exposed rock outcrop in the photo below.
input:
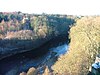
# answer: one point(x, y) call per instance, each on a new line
point(36, 30)
point(25, 40)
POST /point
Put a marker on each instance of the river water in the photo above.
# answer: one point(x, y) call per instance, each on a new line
point(22, 62)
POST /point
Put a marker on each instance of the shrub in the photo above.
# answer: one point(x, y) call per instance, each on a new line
point(32, 71)
point(84, 45)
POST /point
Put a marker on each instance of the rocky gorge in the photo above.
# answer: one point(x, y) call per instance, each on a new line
point(37, 58)
point(28, 43)
point(45, 44)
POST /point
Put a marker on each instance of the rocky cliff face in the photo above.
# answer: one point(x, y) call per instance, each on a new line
point(24, 40)
point(16, 37)
point(24, 34)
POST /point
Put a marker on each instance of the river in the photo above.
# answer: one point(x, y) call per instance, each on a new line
point(13, 65)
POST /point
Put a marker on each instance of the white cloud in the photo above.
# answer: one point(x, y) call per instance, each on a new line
point(84, 7)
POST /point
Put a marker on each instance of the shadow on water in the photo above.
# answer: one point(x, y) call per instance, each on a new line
point(10, 62)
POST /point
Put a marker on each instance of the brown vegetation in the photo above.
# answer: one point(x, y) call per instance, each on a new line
point(32, 71)
point(23, 73)
point(85, 44)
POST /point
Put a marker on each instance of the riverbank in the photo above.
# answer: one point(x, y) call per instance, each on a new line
point(23, 61)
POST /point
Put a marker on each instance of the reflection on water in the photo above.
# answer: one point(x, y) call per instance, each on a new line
point(60, 49)
point(18, 63)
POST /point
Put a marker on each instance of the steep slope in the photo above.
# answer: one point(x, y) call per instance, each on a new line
point(25, 32)
point(84, 45)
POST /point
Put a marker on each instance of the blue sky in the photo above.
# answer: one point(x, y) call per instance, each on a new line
point(71, 7)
